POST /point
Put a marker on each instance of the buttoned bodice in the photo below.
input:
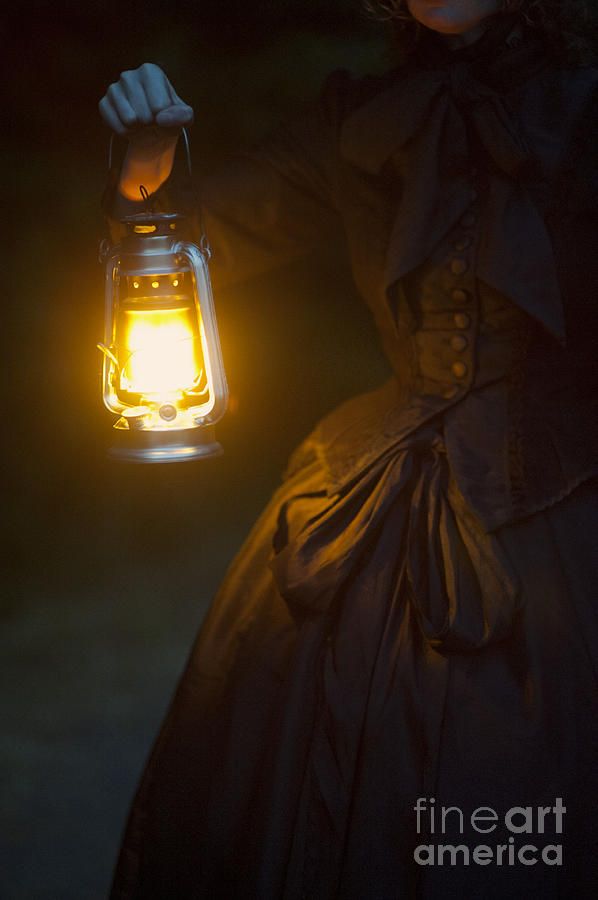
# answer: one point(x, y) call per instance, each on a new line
point(463, 332)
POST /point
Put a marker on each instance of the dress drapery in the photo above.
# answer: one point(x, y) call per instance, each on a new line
point(414, 615)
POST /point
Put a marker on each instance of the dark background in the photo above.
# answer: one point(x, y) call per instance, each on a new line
point(109, 568)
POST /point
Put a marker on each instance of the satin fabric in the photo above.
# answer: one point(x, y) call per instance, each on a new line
point(375, 642)
point(463, 590)
point(447, 665)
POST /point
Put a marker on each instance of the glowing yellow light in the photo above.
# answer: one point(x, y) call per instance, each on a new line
point(175, 283)
point(155, 284)
point(161, 354)
point(135, 284)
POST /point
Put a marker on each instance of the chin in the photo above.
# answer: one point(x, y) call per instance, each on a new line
point(450, 16)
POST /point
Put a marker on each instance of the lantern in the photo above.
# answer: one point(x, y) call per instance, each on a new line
point(163, 373)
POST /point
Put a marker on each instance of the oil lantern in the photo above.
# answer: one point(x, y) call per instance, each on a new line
point(162, 371)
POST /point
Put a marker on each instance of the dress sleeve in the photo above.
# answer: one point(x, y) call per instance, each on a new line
point(266, 206)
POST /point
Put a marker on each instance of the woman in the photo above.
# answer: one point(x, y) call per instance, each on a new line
point(411, 627)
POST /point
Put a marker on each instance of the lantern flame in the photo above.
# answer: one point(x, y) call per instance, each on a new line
point(162, 355)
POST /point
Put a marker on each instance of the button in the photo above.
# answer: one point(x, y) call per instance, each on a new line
point(459, 369)
point(458, 266)
point(451, 392)
point(463, 243)
point(459, 295)
point(462, 320)
point(459, 342)
point(468, 219)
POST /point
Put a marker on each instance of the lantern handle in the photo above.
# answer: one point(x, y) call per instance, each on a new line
point(185, 137)
point(204, 242)
point(214, 368)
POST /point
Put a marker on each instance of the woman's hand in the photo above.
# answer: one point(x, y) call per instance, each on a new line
point(141, 101)
point(143, 107)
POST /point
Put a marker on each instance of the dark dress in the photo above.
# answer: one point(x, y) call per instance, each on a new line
point(415, 613)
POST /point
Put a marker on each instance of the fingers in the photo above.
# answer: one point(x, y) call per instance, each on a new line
point(122, 107)
point(143, 97)
point(156, 86)
point(134, 90)
point(174, 96)
point(117, 111)
point(111, 117)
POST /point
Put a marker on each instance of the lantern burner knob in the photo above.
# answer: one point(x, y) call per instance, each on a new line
point(168, 412)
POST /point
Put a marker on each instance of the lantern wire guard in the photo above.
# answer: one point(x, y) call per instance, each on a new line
point(163, 373)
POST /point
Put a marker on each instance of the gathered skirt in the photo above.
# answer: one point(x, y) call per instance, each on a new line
point(381, 697)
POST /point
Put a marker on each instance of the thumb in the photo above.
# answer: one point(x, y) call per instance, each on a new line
point(175, 116)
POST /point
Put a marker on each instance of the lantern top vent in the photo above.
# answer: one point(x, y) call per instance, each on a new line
point(156, 224)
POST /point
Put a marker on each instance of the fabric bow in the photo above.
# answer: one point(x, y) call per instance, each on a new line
point(436, 125)
point(404, 520)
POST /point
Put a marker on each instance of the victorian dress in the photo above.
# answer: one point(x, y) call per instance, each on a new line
point(415, 614)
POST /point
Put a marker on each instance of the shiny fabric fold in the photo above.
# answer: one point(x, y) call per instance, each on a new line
point(460, 584)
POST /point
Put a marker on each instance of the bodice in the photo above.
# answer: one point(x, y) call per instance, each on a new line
point(463, 332)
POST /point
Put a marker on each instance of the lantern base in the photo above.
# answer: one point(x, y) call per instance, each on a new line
point(165, 446)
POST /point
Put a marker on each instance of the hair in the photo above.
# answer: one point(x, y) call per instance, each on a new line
point(569, 27)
